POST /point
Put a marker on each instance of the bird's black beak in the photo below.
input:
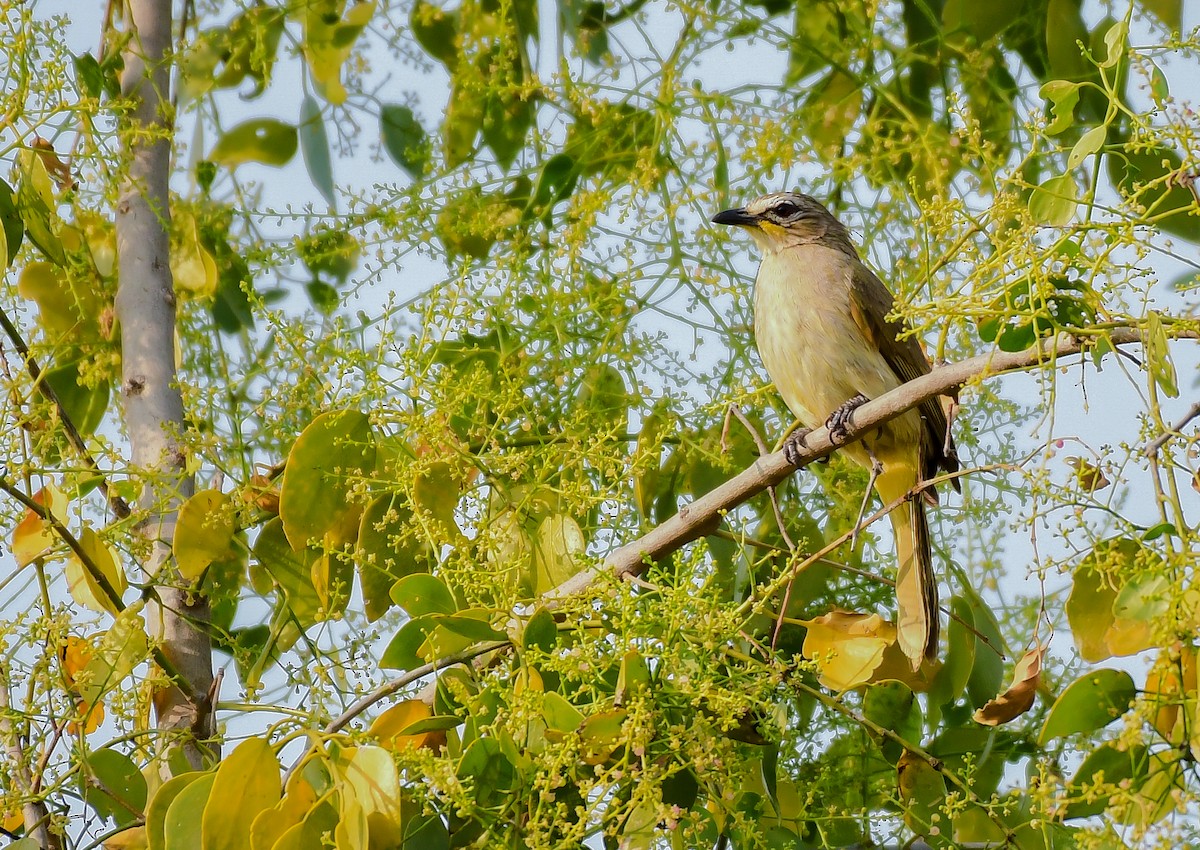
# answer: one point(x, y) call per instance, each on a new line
point(737, 217)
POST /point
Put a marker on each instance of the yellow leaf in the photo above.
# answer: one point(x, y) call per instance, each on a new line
point(83, 585)
point(328, 44)
point(847, 647)
point(133, 838)
point(34, 536)
point(1171, 691)
point(271, 824)
point(247, 783)
point(558, 545)
point(203, 533)
point(1018, 698)
point(371, 775)
point(75, 655)
point(389, 726)
point(923, 791)
point(122, 648)
point(192, 267)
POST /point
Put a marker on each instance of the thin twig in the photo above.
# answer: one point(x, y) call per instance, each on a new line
point(96, 574)
point(118, 505)
point(1158, 442)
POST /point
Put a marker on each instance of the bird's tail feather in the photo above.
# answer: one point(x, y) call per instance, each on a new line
point(916, 585)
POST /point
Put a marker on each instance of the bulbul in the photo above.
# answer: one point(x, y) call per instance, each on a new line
point(822, 328)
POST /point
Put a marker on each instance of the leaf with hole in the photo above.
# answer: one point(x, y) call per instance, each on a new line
point(263, 140)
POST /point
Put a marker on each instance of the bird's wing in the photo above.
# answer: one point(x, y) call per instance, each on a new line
point(870, 304)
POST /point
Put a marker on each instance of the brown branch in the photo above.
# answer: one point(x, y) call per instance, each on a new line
point(1161, 440)
point(118, 505)
point(34, 810)
point(110, 592)
point(703, 515)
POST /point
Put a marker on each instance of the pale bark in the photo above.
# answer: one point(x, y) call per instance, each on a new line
point(153, 407)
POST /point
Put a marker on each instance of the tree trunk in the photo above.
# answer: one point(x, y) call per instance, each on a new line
point(153, 407)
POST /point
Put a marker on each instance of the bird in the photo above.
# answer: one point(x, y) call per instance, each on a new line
point(823, 332)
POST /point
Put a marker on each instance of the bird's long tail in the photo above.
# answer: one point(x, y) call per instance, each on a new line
point(916, 585)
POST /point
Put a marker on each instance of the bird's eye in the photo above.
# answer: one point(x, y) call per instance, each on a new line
point(786, 209)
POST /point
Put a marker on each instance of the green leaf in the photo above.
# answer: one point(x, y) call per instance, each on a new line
point(634, 677)
point(1168, 12)
point(464, 118)
point(1112, 765)
point(403, 138)
point(472, 624)
point(987, 673)
point(401, 651)
point(156, 812)
point(182, 828)
point(421, 594)
point(85, 406)
point(983, 21)
point(277, 566)
point(325, 465)
point(435, 30)
point(1145, 598)
point(611, 139)
point(203, 533)
point(1088, 144)
point(1158, 355)
point(387, 552)
point(950, 681)
point(263, 140)
point(329, 252)
point(1145, 177)
point(1159, 89)
point(507, 114)
point(13, 229)
point(425, 832)
point(35, 200)
point(491, 771)
point(1065, 32)
point(557, 548)
point(314, 145)
point(113, 786)
point(559, 714)
point(1089, 703)
point(1054, 201)
point(88, 75)
point(541, 632)
point(123, 647)
point(246, 783)
point(833, 106)
point(1063, 95)
point(1114, 44)
point(249, 47)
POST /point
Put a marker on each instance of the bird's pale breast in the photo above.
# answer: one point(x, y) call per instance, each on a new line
point(809, 342)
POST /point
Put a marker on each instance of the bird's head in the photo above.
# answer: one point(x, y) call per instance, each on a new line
point(785, 220)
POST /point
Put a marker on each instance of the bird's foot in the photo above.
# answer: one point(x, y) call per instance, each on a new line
point(796, 441)
point(842, 419)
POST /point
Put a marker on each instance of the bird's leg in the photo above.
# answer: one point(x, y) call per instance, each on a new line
point(876, 471)
point(840, 420)
point(948, 443)
point(794, 442)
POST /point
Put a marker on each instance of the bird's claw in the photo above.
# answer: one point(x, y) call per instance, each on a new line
point(842, 419)
point(794, 443)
